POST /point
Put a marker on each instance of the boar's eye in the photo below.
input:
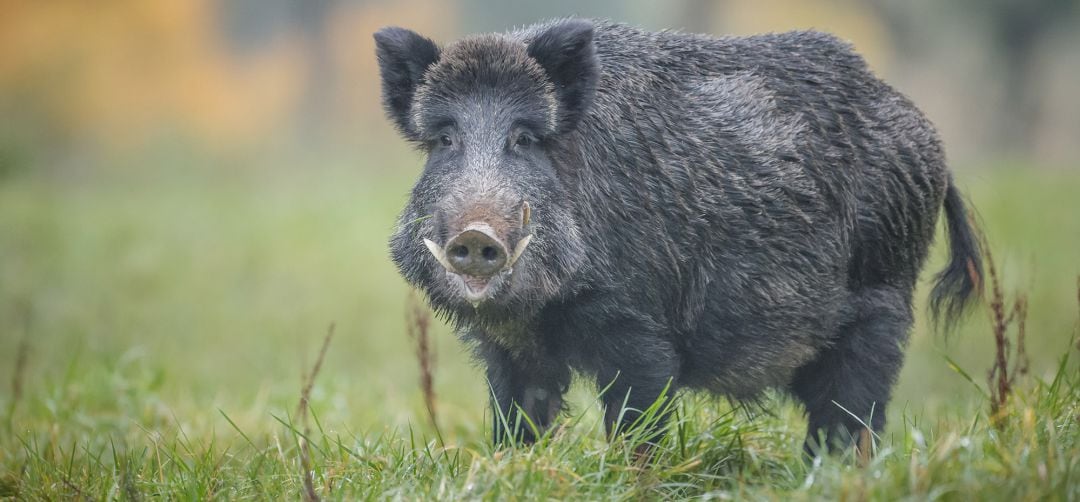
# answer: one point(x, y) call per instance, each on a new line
point(445, 140)
point(524, 140)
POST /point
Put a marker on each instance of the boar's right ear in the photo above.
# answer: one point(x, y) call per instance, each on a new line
point(567, 54)
point(403, 57)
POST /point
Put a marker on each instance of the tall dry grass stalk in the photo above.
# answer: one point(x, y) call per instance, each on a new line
point(302, 411)
point(1002, 316)
point(22, 356)
point(418, 326)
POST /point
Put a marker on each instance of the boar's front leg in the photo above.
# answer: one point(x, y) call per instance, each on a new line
point(526, 393)
point(636, 369)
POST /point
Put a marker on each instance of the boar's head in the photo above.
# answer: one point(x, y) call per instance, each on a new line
point(490, 223)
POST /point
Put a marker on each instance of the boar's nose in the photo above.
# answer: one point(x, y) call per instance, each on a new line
point(476, 252)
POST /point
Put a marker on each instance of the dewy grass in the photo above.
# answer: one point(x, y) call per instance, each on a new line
point(713, 450)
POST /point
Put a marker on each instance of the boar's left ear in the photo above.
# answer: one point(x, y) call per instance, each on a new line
point(403, 57)
point(567, 54)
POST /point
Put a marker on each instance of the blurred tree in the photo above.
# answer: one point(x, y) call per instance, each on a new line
point(312, 18)
point(1014, 32)
point(902, 23)
point(697, 16)
point(487, 16)
point(251, 25)
point(76, 77)
point(1017, 30)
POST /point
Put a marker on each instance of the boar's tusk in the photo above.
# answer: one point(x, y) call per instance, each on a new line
point(440, 255)
point(520, 248)
point(526, 214)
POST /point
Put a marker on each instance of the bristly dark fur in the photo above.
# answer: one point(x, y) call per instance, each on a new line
point(729, 214)
point(403, 58)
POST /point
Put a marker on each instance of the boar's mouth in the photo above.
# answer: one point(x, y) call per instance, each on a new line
point(476, 286)
point(478, 258)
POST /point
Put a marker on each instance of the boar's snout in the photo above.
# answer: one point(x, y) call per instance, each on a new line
point(476, 252)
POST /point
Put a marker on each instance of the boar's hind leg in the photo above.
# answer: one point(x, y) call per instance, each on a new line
point(848, 385)
point(535, 387)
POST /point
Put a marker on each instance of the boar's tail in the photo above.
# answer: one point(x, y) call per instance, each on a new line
point(960, 283)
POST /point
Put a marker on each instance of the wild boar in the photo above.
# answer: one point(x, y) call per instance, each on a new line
point(663, 209)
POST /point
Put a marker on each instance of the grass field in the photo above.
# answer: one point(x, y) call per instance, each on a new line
point(168, 320)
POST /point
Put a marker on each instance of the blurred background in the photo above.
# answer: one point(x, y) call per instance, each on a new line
point(192, 191)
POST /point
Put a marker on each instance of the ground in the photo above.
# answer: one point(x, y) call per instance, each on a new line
point(169, 318)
